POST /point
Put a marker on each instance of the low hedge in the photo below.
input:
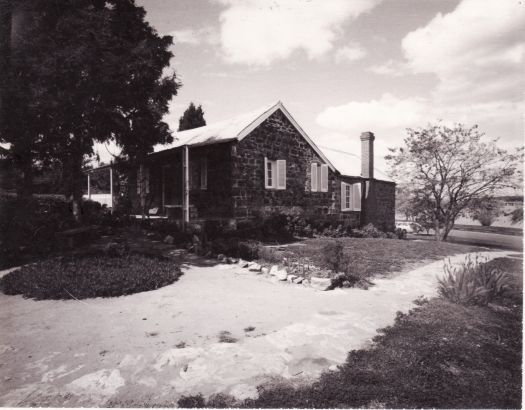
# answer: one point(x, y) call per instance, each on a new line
point(90, 276)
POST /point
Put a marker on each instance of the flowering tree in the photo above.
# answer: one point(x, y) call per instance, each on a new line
point(447, 168)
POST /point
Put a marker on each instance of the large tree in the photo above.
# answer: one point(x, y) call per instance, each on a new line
point(447, 168)
point(94, 72)
point(193, 117)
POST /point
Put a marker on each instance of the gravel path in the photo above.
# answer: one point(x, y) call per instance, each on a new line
point(152, 347)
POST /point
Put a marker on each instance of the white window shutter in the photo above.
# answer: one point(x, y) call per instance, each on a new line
point(343, 196)
point(266, 185)
point(204, 173)
point(313, 177)
point(324, 178)
point(281, 174)
point(356, 196)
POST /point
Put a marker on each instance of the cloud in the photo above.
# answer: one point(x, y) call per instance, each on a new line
point(194, 36)
point(391, 67)
point(475, 50)
point(260, 32)
point(389, 116)
point(351, 53)
point(385, 113)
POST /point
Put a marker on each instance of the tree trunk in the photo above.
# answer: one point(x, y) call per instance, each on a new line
point(25, 186)
point(75, 188)
point(446, 230)
point(437, 232)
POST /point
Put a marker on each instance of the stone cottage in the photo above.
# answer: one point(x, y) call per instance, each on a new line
point(260, 163)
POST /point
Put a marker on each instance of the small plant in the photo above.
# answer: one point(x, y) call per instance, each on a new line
point(473, 282)
point(249, 329)
point(334, 257)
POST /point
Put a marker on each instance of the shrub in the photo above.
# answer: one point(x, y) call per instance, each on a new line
point(400, 233)
point(334, 257)
point(269, 255)
point(235, 247)
point(191, 402)
point(90, 276)
point(473, 282)
point(370, 231)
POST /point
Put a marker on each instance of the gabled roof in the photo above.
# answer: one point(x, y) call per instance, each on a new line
point(349, 164)
point(235, 129)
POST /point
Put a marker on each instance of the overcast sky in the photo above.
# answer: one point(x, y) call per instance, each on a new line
point(346, 66)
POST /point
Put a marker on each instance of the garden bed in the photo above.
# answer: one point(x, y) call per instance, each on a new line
point(89, 276)
point(359, 258)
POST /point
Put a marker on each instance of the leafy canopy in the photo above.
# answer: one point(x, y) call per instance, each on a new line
point(193, 117)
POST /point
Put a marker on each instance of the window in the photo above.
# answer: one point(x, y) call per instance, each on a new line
point(274, 174)
point(350, 197)
point(319, 177)
point(204, 173)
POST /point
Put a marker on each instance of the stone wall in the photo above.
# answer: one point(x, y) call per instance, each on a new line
point(276, 138)
point(379, 205)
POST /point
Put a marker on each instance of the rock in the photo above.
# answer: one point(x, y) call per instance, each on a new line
point(221, 257)
point(298, 280)
point(273, 270)
point(281, 274)
point(231, 260)
point(169, 240)
point(254, 267)
point(291, 278)
point(320, 283)
point(242, 263)
point(265, 270)
point(306, 282)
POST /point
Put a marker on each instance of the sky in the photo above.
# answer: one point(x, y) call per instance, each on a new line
point(342, 67)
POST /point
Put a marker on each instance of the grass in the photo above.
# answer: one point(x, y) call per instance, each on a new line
point(369, 256)
point(90, 276)
point(439, 355)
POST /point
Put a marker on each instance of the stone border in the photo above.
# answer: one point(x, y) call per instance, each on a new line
point(281, 274)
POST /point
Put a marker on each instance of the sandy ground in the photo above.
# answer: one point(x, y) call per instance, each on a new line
point(88, 353)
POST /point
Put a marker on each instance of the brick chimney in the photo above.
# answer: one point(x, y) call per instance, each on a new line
point(367, 154)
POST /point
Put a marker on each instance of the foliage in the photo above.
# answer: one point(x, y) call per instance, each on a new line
point(191, 402)
point(449, 167)
point(234, 247)
point(485, 210)
point(84, 71)
point(89, 276)
point(193, 117)
point(473, 282)
point(334, 257)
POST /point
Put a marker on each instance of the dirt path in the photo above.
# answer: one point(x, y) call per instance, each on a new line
point(130, 349)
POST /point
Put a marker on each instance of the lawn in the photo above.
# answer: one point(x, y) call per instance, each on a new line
point(440, 355)
point(362, 257)
point(88, 276)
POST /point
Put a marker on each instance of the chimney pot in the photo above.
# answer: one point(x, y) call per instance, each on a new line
point(367, 154)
